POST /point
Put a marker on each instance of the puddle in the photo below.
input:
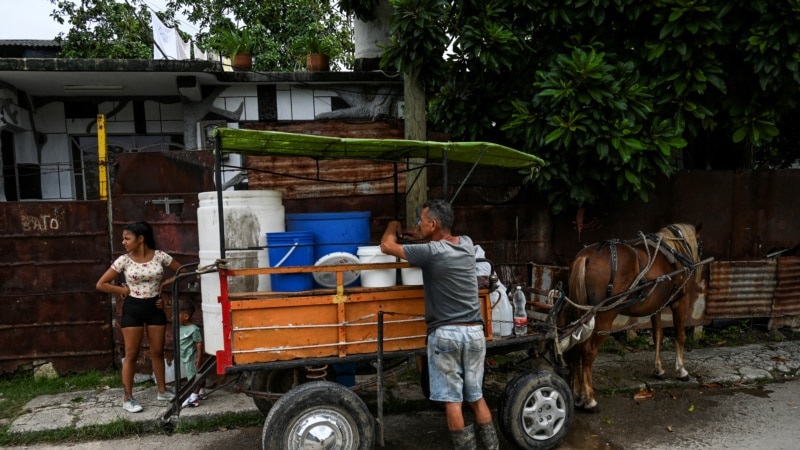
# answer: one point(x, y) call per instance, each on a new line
point(581, 436)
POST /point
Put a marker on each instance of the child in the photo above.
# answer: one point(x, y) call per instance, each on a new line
point(191, 343)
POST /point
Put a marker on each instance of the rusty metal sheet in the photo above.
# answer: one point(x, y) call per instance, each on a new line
point(741, 289)
point(160, 188)
point(53, 254)
point(787, 291)
point(300, 178)
point(546, 277)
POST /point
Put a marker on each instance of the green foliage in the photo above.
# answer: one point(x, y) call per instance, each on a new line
point(18, 389)
point(732, 335)
point(106, 29)
point(611, 93)
point(244, 419)
point(116, 429)
point(316, 41)
point(277, 26)
point(22, 387)
point(230, 41)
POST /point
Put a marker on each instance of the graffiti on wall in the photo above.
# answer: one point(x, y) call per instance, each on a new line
point(42, 222)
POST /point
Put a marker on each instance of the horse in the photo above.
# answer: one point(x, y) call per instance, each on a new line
point(637, 278)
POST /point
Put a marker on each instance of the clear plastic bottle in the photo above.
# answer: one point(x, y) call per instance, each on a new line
point(520, 314)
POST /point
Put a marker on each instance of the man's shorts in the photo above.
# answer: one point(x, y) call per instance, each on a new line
point(456, 356)
point(139, 311)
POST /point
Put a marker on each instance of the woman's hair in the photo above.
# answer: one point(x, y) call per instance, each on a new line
point(440, 211)
point(145, 230)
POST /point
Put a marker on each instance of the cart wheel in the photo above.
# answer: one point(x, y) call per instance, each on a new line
point(273, 381)
point(535, 411)
point(319, 414)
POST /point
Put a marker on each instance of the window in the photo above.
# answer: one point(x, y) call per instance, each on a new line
point(19, 181)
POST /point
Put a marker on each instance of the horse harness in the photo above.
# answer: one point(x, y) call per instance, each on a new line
point(652, 240)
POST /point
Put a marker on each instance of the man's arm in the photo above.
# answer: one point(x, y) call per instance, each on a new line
point(389, 243)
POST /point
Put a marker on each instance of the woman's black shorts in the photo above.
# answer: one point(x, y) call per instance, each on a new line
point(139, 311)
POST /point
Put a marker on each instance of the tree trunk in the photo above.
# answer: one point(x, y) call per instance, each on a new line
point(415, 129)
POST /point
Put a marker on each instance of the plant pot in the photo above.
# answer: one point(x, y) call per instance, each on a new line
point(317, 62)
point(242, 62)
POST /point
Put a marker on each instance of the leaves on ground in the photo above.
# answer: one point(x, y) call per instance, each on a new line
point(644, 394)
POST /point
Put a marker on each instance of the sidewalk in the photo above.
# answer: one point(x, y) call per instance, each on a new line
point(613, 372)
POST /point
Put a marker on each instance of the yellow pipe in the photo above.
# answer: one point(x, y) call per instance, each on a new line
point(101, 155)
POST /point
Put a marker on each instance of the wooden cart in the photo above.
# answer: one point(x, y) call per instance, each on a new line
point(285, 345)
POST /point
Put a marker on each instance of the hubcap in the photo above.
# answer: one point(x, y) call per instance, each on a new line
point(544, 413)
point(321, 429)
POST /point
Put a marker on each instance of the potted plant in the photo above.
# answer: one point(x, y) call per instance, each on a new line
point(317, 49)
point(237, 45)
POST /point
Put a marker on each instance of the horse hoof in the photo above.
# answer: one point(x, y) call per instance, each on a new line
point(684, 378)
point(659, 376)
point(593, 410)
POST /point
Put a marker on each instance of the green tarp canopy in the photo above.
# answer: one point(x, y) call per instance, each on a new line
point(255, 143)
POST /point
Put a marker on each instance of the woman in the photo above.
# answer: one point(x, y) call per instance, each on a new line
point(143, 267)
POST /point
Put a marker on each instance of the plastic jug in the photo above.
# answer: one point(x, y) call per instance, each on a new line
point(502, 313)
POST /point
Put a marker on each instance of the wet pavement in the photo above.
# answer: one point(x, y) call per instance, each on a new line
point(625, 370)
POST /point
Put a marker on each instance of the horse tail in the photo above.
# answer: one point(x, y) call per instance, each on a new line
point(577, 285)
point(577, 293)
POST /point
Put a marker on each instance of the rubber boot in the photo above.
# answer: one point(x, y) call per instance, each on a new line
point(464, 439)
point(488, 436)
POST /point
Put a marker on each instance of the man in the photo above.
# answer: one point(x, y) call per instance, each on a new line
point(456, 345)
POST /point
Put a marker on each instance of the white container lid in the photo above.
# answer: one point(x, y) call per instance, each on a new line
point(328, 279)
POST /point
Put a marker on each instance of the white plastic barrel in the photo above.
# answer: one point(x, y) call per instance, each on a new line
point(377, 277)
point(249, 216)
point(210, 290)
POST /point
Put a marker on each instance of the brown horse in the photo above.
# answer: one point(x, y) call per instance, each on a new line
point(636, 278)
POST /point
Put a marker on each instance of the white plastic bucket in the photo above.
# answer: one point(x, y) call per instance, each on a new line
point(411, 276)
point(377, 277)
point(249, 216)
point(210, 291)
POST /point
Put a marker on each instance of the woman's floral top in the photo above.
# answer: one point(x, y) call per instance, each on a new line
point(143, 279)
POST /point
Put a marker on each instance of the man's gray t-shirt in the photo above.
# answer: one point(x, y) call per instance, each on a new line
point(449, 281)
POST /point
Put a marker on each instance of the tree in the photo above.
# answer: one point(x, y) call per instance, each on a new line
point(612, 93)
point(115, 29)
point(282, 24)
point(106, 29)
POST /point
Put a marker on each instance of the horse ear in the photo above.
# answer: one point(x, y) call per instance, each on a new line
point(698, 228)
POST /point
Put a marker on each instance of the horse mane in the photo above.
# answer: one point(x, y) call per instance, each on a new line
point(688, 231)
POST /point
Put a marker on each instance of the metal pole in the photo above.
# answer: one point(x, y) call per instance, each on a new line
point(379, 430)
point(444, 172)
point(218, 181)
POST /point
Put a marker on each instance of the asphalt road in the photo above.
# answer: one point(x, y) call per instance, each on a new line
point(754, 417)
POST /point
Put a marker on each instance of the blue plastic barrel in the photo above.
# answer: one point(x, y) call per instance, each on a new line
point(333, 231)
point(289, 249)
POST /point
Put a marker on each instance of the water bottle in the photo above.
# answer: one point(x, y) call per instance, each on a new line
point(520, 314)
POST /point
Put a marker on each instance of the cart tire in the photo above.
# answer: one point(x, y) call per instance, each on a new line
point(319, 414)
point(535, 410)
